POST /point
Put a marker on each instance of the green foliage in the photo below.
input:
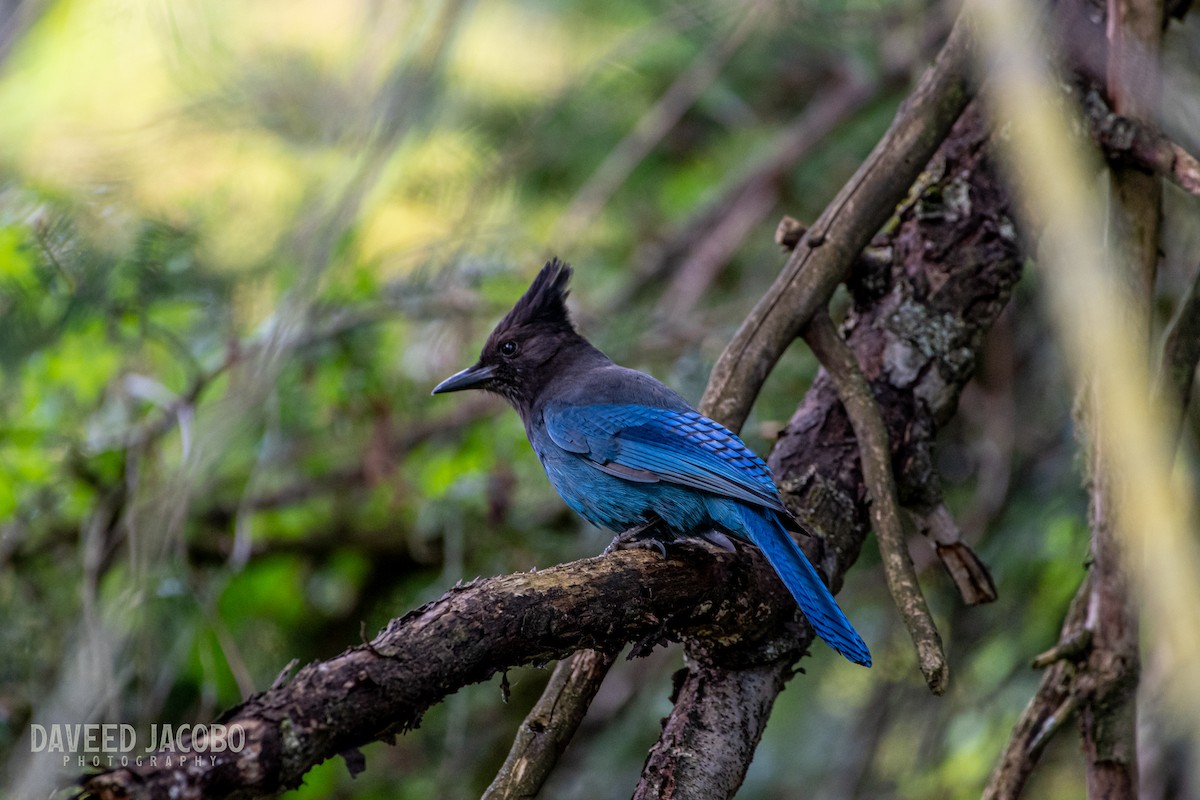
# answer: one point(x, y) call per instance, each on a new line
point(226, 290)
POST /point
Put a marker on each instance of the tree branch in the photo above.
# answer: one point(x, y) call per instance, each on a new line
point(1108, 714)
point(705, 753)
point(875, 454)
point(378, 689)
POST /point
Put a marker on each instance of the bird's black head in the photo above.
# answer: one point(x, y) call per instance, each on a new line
point(515, 361)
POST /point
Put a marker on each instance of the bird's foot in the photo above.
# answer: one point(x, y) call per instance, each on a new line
point(647, 536)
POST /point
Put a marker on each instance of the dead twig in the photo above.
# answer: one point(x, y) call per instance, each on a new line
point(1126, 141)
point(970, 575)
point(875, 455)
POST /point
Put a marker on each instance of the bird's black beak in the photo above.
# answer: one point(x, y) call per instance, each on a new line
point(470, 378)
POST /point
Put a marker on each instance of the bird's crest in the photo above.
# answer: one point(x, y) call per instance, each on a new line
point(544, 302)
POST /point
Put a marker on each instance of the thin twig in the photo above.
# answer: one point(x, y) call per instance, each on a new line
point(1053, 723)
point(876, 456)
point(1126, 140)
point(1073, 646)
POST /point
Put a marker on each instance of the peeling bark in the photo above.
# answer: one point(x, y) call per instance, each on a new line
point(916, 326)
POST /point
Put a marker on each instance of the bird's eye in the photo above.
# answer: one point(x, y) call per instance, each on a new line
point(508, 349)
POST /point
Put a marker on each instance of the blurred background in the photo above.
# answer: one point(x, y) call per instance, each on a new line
point(240, 242)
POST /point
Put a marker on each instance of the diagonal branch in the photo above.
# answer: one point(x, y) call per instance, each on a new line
point(550, 725)
point(1108, 714)
point(875, 453)
point(823, 257)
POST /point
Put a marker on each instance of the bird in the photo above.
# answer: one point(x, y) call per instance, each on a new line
point(629, 454)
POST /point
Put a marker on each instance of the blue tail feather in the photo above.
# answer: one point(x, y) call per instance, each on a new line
point(802, 580)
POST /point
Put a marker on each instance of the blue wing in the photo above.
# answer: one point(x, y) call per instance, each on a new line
point(645, 444)
point(642, 443)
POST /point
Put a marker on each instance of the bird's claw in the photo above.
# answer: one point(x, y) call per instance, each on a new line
point(643, 537)
point(638, 544)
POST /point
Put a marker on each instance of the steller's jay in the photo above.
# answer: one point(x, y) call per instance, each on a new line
point(627, 453)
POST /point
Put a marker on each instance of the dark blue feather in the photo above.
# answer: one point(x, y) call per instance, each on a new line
point(682, 447)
